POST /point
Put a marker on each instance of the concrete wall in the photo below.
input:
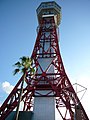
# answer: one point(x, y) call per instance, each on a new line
point(44, 108)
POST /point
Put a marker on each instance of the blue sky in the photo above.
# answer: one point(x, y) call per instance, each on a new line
point(18, 23)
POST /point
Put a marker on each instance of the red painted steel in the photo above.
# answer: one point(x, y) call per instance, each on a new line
point(57, 83)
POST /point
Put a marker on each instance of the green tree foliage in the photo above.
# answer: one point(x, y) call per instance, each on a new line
point(22, 66)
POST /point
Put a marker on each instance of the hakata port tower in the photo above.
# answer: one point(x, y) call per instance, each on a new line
point(49, 88)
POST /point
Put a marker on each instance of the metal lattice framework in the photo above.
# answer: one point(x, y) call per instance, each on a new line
point(56, 83)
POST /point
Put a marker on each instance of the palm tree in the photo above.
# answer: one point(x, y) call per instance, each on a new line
point(23, 66)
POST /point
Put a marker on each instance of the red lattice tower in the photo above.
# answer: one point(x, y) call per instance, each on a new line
point(50, 78)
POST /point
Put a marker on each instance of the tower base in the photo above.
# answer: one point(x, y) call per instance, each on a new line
point(44, 108)
point(23, 115)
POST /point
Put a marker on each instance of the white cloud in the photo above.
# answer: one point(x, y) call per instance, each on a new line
point(7, 87)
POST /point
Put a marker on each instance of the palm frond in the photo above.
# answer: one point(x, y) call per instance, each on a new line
point(23, 59)
point(18, 64)
point(25, 64)
point(16, 71)
point(32, 70)
point(23, 70)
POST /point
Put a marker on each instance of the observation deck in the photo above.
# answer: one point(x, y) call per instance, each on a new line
point(47, 9)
